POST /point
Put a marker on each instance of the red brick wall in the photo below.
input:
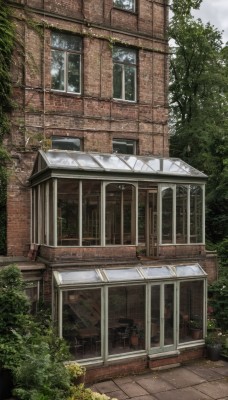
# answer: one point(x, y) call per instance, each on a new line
point(94, 116)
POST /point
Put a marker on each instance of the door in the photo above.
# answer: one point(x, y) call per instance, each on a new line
point(162, 318)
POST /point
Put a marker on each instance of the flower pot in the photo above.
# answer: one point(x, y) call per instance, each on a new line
point(196, 334)
point(213, 352)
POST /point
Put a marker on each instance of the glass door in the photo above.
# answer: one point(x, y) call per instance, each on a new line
point(162, 326)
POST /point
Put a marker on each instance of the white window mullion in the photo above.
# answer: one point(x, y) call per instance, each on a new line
point(123, 82)
point(80, 213)
point(203, 214)
point(55, 194)
point(174, 214)
point(189, 214)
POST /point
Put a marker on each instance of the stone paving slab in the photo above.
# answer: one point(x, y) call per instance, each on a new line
point(147, 397)
point(182, 394)
point(155, 384)
point(216, 390)
point(133, 389)
point(181, 377)
point(118, 395)
point(106, 387)
point(207, 373)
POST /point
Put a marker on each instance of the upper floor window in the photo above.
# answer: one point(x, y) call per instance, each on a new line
point(66, 62)
point(128, 5)
point(66, 143)
point(124, 146)
point(124, 73)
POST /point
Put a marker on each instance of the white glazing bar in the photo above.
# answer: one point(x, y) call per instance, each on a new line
point(174, 230)
point(55, 212)
point(188, 213)
point(159, 228)
point(80, 213)
point(103, 212)
point(203, 214)
point(47, 228)
point(136, 212)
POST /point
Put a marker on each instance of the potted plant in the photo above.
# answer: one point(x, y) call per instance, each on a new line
point(214, 341)
point(196, 328)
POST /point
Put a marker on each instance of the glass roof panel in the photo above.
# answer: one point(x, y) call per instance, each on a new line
point(86, 161)
point(187, 168)
point(189, 270)
point(137, 164)
point(66, 159)
point(78, 276)
point(111, 162)
point(122, 274)
point(61, 158)
point(157, 272)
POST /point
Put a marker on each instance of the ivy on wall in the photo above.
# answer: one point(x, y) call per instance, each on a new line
point(6, 49)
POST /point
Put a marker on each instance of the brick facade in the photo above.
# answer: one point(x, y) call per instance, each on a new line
point(93, 116)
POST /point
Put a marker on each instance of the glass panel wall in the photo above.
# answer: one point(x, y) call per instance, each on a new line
point(169, 314)
point(155, 316)
point(120, 214)
point(68, 212)
point(191, 311)
point(181, 214)
point(51, 212)
point(167, 214)
point(196, 214)
point(91, 194)
point(81, 325)
point(126, 319)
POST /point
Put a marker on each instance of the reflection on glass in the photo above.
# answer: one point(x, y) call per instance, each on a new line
point(181, 214)
point(125, 274)
point(126, 319)
point(68, 217)
point(74, 73)
point(66, 62)
point(196, 214)
point(124, 73)
point(155, 316)
point(125, 4)
point(91, 194)
point(81, 316)
point(125, 146)
point(167, 215)
point(66, 143)
point(169, 315)
point(142, 217)
point(120, 214)
point(57, 70)
point(51, 212)
point(191, 311)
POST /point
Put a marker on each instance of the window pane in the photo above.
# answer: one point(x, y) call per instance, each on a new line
point(120, 214)
point(196, 216)
point(155, 316)
point(123, 55)
point(117, 81)
point(130, 83)
point(125, 4)
point(68, 216)
point(91, 193)
point(57, 70)
point(124, 146)
point(126, 319)
point(191, 311)
point(169, 315)
point(73, 73)
point(167, 214)
point(66, 41)
point(181, 214)
point(65, 143)
point(51, 212)
point(82, 321)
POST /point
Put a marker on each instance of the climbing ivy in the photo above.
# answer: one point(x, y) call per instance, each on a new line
point(6, 50)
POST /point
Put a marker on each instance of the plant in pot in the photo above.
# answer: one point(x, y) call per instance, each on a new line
point(214, 341)
point(196, 328)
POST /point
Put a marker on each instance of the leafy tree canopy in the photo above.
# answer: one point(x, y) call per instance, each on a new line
point(199, 107)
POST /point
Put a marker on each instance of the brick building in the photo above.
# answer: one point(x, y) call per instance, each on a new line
point(111, 229)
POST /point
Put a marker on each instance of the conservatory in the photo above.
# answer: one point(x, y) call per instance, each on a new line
point(93, 199)
point(122, 312)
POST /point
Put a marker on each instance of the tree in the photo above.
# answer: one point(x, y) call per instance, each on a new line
point(199, 107)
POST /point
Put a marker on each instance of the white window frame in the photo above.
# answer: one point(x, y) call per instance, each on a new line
point(132, 9)
point(123, 65)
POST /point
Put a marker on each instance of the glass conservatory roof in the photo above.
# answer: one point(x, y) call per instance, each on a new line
point(138, 273)
point(119, 163)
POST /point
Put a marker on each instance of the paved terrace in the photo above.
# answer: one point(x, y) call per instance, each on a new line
point(194, 381)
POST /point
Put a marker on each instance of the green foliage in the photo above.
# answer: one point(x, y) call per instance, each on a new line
point(199, 107)
point(218, 300)
point(6, 49)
